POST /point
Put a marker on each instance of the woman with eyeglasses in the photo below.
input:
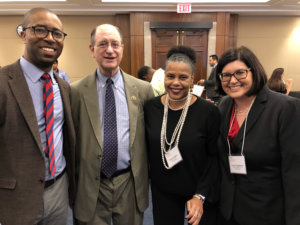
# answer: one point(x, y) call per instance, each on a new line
point(182, 131)
point(258, 145)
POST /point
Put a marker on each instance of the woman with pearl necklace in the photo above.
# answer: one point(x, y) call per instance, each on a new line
point(181, 132)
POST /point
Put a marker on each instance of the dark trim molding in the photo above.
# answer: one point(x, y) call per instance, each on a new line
point(180, 25)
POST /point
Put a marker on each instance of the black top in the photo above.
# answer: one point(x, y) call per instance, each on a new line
point(198, 172)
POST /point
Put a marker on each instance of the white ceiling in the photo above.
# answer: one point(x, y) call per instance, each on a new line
point(97, 7)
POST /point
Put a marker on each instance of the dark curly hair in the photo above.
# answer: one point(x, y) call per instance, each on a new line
point(143, 71)
point(246, 56)
point(182, 53)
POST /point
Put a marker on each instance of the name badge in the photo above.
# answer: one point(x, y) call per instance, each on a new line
point(198, 90)
point(237, 164)
point(173, 157)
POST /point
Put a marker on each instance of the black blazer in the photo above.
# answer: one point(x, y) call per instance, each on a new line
point(210, 84)
point(269, 194)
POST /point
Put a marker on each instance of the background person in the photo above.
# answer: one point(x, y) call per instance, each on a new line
point(157, 82)
point(193, 176)
point(35, 154)
point(155, 77)
point(111, 150)
point(258, 145)
point(276, 82)
point(211, 82)
point(145, 73)
point(59, 72)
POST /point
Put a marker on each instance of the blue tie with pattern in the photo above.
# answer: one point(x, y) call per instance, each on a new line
point(110, 138)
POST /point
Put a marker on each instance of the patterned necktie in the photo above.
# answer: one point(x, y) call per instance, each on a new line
point(48, 110)
point(110, 139)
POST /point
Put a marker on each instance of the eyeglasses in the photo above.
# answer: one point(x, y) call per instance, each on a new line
point(239, 75)
point(42, 32)
point(105, 45)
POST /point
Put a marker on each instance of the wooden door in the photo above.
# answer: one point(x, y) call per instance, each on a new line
point(164, 39)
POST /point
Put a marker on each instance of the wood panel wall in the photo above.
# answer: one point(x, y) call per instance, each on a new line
point(132, 28)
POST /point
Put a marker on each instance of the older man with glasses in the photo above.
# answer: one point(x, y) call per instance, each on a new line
point(108, 114)
point(37, 136)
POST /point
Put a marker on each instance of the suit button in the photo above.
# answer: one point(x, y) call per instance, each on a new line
point(41, 180)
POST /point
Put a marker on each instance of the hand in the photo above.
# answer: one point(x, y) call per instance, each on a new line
point(288, 85)
point(289, 82)
point(209, 100)
point(201, 82)
point(195, 210)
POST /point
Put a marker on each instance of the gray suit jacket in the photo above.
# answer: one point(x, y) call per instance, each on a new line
point(85, 109)
point(22, 166)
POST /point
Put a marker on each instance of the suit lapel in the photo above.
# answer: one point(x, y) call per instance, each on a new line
point(226, 112)
point(256, 109)
point(23, 97)
point(254, 114)
point(90, 97)
point(64, 95)
point(133, 105)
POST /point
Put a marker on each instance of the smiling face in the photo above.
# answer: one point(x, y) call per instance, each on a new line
point(178, 79)
point(107, 49)
point(42, 52)
point(237, 89)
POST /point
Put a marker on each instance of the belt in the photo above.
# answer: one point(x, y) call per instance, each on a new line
point(48, 183)
point(117, 173)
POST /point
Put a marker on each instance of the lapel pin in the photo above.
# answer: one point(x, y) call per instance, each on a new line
point(133, 98)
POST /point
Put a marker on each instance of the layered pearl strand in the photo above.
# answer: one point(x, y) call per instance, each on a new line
point(177, 131)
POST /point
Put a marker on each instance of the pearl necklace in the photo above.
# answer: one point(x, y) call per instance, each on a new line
point(177, 131)
point(178, 100)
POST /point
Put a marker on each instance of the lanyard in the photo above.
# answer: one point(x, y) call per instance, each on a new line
point(244, 132)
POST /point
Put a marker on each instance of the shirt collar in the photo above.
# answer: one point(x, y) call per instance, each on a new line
point(117, 78)
point(32, 72)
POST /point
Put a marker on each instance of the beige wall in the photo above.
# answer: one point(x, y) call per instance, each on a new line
point(275, 41)
point(75, 59)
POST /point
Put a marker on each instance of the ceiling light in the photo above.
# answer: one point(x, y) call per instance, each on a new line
point(33, 0)
point(190, 1)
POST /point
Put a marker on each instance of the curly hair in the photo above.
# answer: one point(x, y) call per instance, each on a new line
point(183, 54)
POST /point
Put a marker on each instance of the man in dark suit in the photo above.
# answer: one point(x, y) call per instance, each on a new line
point(210, 83)
point(111, 152)
point(36, 140)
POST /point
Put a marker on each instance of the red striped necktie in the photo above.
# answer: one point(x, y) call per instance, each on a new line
point(49, 118)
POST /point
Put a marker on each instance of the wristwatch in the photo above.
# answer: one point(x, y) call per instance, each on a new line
point(200, 197)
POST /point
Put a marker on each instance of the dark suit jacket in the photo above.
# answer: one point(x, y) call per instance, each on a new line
point(269, 194)
point(210, 84)
point(85, 109)
point(22, 166)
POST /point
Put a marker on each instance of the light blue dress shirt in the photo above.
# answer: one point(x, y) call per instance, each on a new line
point(63, 75)
point(35, 84)
point(122, 115)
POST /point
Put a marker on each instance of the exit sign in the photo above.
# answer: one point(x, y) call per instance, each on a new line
point(184, 7)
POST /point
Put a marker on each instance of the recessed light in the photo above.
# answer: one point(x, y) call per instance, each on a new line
point(190, 1)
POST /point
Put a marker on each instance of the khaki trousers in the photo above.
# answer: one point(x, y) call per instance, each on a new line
point(54, 208)
point(116, 202)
